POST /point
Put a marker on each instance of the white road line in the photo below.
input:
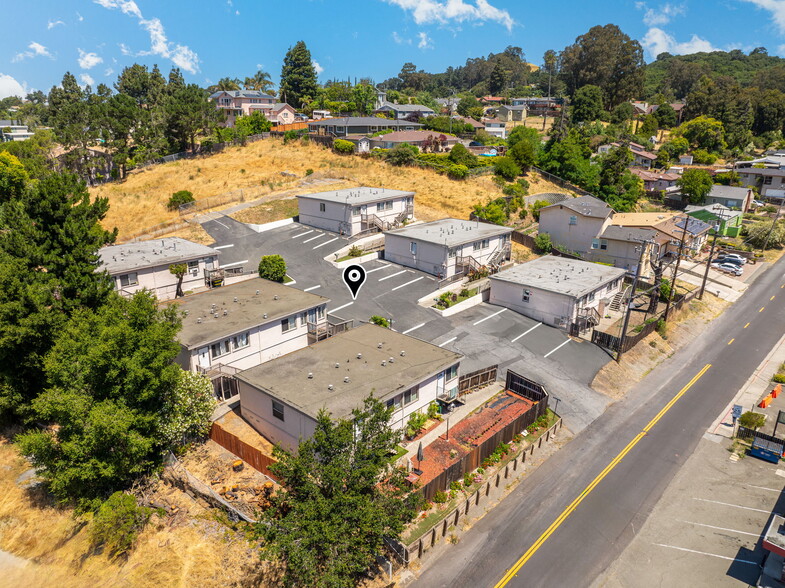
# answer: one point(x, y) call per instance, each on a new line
point(224, 246)
point(526, 333)
point(413, 328)
point(376, 269)
point(319, 236)
point(340, 307)
point(220, 223)
point(746, 561)
point(325, 243)
point(557, 348)
point(235, 263)
point(302, 234)
point(312, 288)
point(721, 528)
point(764, 488)
point(407, 283)
point(447, 341)
point(733, 505)
point(489, 317)
point(392, 275)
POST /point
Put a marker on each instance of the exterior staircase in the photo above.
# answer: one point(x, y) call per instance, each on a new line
point(372, 221)
point(617, 300)
point(499, 256)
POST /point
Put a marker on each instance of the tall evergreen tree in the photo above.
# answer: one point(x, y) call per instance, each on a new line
point(298, 76)
point(497, 83)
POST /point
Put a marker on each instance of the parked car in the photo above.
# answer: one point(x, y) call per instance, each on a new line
point(758, 203)
point(730, 268)
point(732, 260)
point(733, 257)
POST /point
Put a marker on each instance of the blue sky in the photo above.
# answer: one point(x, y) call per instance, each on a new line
point(209, 39)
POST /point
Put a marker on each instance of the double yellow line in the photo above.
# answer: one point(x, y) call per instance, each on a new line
point(614, 462)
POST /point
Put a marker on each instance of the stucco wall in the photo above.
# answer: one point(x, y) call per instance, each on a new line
point(433, 258)
point(578, 237)
point(160, 281)
point(334, 218)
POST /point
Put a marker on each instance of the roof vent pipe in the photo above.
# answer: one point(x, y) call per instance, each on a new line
point(310, 375)
point(330, 387)
point(337, 365)
point(403, 353)
point(359, 356)
point(346, 380)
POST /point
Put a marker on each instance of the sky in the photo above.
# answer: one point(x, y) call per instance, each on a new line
point(348, 39)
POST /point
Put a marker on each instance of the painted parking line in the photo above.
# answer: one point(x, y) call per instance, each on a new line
point(312, 288)
point(220, 223)
point(407, 331)
point(325, 243)
point(319, 236)
point(235, 263)
point(376, 269)
point(407, 283)
point(526, 333)
point(447, 342)
point(340, 307)
point(732, 505)
point(721, 528)
point(224, 246)
point(557, 348)
point(764, 488)
point(746, 561)
point(392, 275)
point(489, 317)
point(302, 234)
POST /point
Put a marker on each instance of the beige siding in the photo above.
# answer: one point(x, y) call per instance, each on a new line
point(578, 237)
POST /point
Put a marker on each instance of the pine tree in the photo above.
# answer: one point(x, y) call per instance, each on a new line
point(298, 76)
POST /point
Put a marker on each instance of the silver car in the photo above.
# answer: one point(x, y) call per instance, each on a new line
point(730, 268)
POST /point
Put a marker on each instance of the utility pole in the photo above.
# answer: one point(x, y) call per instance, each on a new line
point(676, 270)
point(708, 261)
point(629, 302)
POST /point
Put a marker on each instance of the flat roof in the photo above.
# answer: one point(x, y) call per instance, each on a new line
point(407, 362)
point(255, 299)
point(143, 254)
point(450, 232)
point(571, 277)
point(618, 233)
point(353, 121)
point(357, 196)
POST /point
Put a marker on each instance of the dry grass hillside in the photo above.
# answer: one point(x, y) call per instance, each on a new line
point(139, 202)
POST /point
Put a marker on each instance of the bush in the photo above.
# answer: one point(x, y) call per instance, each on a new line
point(355, 251)
point(117, 523)
point(457, 172)
point(433, 410)
point(464, 293)
point(403, 154)
point(522, 213)
point(506, 168)
point(344, 147)
point(460, 155)
point(779, 378)
point(752, 420)
point(536, 208)
point(665, 289)
point(456, 486)
point(179, 198)
point(441, 497)
point(703, 157)
point(468, 479)
point(543, 242)
point(308, 172)
point(381, 321)
point(514, 190)
point(415, 423)
point(272, 267)
point(524, 182)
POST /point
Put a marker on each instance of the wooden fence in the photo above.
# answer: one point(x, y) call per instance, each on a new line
point(478, 379)
point(562, 183)
point(249, 454)
point(531, 243)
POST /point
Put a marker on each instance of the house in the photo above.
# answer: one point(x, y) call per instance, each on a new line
point(621, 247)
point(730, 196)
point(145, 264)
point(401, 111)
point(447, 105)
point(512, 113)
point(248, 323)
point(358, 125)
point(575, 222)
point(425, 141)
point(657, 181)
point(356, 210)
point(558, 291)
point(282, 399)
point(670, 228)
point(476, 125)
point(642, 157)
point(11, 130)
point(281, 114)
point(686, 159)
point(237, 103)
point(448, 247)
point(492, 100)
point(495, 127)
point(727, 221)
point(537, 106)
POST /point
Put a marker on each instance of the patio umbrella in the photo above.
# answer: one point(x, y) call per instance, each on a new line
point(420, 457)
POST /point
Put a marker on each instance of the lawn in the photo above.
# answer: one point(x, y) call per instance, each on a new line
point(446, 300)
point(268, 212)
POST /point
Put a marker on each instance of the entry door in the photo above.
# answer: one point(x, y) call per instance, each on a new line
point(440, 384)
point(204, 357)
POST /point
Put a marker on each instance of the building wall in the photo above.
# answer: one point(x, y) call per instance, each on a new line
point(161, 282)
point(335, 218)
point(741, 203)
point(555, 221)
point(621, 254)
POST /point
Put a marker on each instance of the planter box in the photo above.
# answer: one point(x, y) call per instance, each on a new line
point(468, 303)
point(270, 226)
point(353, 260)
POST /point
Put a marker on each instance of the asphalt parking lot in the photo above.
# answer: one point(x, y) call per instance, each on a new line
point(484, 334)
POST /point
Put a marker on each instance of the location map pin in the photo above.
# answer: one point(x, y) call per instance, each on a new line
point(354, 278)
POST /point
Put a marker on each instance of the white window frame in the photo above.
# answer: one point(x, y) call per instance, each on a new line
point(379, 206)
point(130, 279)
point(356, 210)
point(413, 395)
point(451, 373)
point(220, 349)
point(388, 205)
point(288, 324)
point(240, 341)
point(476, 246)
point(485, 243)
point(193, 267)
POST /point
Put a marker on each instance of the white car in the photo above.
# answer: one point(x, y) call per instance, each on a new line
point(730, 268)
point(735, 257)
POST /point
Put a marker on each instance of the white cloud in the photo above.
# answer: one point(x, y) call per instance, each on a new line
point(34, 50)
point(658, 41)
point(181, 55)
point(663, 15)
point(108, 71)
point(88, 60)
point(10, 87)
point(53, 23)
point(319, 69)
point(79, 17)
point(434, 11)
point(259, 66)
point(87, 80)
point(776, 8)
point(125, 49)
point(425, 41)
point(400, 40)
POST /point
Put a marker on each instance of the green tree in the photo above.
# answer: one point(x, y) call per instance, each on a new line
point(524, 154)
point(298, 76)
point(13, 177)
point(506, 168)
point(587, 104)
point(178, 270)
point(494, 212)
point(543, 242)
point(272, 267)
point(460, 155)
point(695, 184)
point(188, 112)
point(364, 98)
point(648, 127)
point(186, 412)
point(255, 123)
point(469, 106)
point(497, 83)
point(666, 116)
point(34, 154)
point(622, 114)
point(402, 154)
point(381, 321)
point(765, 235)
point(123, 115)
point(117, 524)
point(618, 187)
point(342, 498)
point(259, 81)
point(703, 132)
point(538, 204)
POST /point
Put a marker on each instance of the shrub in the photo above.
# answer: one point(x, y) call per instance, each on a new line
point(522, 213)
point(344, 147)
point(779, 378)
point(433, 410)
point(456, 486)
point(441, 497)
point(457, 172)
point(752, 420)
point(179, 198)
point(272, 267)
point(460, 155)
point(514, 190)
point(506, 168)
point(524, 182)
point(703, 157)
point(536, 208)
point(308, 172)
point(403, 154)
point(665, 289)
point(381, 321)
point(464, 293)
point(468, 479)
point(415, 423)
point(543, 242)
point(355, 251)
point(117, 523)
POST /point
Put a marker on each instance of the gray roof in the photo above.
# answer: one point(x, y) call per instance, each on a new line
point(585, 205)
point(516, 107)
point(242, 94)
point(117, 259)
point(249, 310)
point(732, 192)
point(561, 275)
point(357, 196)
point(694, 226)
point(637, 234)
point(407, 107)
point(287, 378)
point(362, 121)
point(450, 232)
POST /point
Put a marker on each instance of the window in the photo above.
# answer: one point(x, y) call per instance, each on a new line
point(129, 279)
point(193, 267)
point(452, 252)
point(485, 243)
point(411, 395)
point(388, 205)
point(288, 324)
point(220, 348)
point(240, 341)
point(451, 372)
point(355, 211)
point(413, 248)
point(595, 243)
point(278, 410)
point(303, 318)
point(603, 244)
point(526, 295)
point(590, 297)
point(320, 312)
point(767, 180)
point(395, 402)
point(379, 206)
point(321, 207)
point(476, 245)
point(573, 220)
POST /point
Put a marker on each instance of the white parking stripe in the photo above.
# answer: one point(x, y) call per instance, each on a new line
point(557, 348)
point(407, 283)
point(526, 333)
point(447, 341)
point(489, 317)
point(764, 488)
point(325, 243)
point(733, 505)
point(746, 561)
point(376, 269)
point(392, 275)
point(224, 246)
point(312, 288)
point(721, 528)
point(319, 236)
point(413, 328)
point(302, 234)
point(235, 263)
point(340, 307)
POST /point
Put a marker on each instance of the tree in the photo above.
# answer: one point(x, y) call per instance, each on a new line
point(497, 83)
point(703, 132)
point(587, 104)
point(272, 267)
point(460, 155)
point(538, 204)
point(622, 114)
point(123, 115)
point(225, 85)
point(187, 410)
point(765, 235)
point(188, 112)
point(13, 177)
point(648, 127)
point(543, 242)
point(695, 184)
point(178, 270)
point(259, 81)
point(255, 123)
point(469, 106)
point(506, 168)
point(494, 212)
point(342, 498)
point(364, 98)
point(666, 116)
point(402, 154)
point(117, 523)
point(298, 75)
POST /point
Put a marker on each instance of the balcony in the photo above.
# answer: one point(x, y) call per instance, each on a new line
point(319, 331)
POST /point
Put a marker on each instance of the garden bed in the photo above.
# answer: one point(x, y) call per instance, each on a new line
point(449, 299)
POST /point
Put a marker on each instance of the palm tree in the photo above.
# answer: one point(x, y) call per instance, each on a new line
point(260, 81)
point(225, 85)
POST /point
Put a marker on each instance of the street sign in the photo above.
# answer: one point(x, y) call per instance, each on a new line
point(737, 411)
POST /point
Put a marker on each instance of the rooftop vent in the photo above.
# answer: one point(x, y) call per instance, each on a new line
point(186, 312)
point(359, 356)
point(275, 297)
point(310, 375)
point(226, 312)
point(264, 315)
point(346, 380)
point(199, 321)
point(215, 315)
point(384, 363)
point(235, 298)
point(378, 346)
point(403, 353)
point(330, 387)
point(257, 292)
point(337, 364)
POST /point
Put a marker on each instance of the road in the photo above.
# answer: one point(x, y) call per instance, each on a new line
point(573, 516)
